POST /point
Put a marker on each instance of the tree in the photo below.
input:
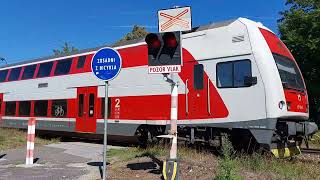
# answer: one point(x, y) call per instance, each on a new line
point(136, 33)
point(299, 28)
point(66, 50)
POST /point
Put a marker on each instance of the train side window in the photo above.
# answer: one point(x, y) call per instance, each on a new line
point(103, 109)
point(14, 74)
point(3, 75)
point(233, 74)
point(29, 71)
point(63, 67)
point(45, 69)
point(24, 108)
point(59, 108)
point(198, 76)
point(41, 108)
point(225, 74)
point(80, 105)
point(81, 62)
point(10, 108)
point(91, 105)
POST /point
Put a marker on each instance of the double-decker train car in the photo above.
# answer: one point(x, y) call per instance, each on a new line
point(237, 79)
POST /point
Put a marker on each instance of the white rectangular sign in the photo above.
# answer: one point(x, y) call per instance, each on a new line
point(177, 19)
point(164, 69)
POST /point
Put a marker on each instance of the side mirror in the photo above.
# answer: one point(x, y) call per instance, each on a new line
point(250, 81)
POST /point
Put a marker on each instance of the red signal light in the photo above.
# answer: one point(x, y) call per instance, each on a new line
point(153, 41)
point(170, 40)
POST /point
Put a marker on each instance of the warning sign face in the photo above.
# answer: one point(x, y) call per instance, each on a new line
point(177, 19)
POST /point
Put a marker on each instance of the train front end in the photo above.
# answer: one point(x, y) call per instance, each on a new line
point(292, 126)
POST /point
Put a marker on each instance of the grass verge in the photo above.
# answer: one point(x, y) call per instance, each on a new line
point(14, 138)
point(230, 165)
point(278, 168)
point(316, 140)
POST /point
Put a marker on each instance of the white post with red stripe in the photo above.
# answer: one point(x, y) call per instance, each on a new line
point(30, 140)
point(174, 118)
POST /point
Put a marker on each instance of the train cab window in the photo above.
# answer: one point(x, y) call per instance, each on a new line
point(91, 105)
point(241, 70)
point(59, 108)
point(10, 108)
point(198, 76)
point(3, 75)
point(81, 62)
point(45, 69)
point(225, 74)
point(233, 74)
point(29, 71)
point(24, 108)
point(14, 74)
point(41, 108)
point(63, 67)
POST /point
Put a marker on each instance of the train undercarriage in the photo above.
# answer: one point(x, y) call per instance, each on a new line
point(282, 141)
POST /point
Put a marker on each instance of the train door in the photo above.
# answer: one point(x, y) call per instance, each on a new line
point(197, 96)
point(86, 110)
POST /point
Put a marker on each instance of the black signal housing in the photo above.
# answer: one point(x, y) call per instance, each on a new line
point(164, 48)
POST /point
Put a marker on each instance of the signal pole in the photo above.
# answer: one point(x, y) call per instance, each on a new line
point(174, 118)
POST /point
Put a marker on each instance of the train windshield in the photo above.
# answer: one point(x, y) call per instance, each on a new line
point(289, 73)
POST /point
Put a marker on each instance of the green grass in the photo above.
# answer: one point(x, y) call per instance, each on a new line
point(316, 140)
point(227, 168)
point(230, 165)
point(131, 153)
point(158, 151)
point(14, 138)
point(278, 168)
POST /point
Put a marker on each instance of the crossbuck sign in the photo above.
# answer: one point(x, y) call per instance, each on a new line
point(176, 19)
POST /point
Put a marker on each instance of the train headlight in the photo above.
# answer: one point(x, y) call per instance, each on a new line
point(281, 104)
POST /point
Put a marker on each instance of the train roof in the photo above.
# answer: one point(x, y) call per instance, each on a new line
point(124, 43)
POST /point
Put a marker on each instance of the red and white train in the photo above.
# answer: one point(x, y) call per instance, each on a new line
point(246, 84)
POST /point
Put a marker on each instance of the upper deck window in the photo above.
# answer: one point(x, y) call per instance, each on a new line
point(14, 74)
point(29, 71)
point(45, 69)
point(81, 62)
point(63, 67)
point(3, 75)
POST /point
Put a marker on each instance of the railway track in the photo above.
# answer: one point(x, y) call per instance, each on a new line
point(310, 151)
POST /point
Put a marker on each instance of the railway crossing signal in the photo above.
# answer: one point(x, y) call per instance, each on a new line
point(165, 56)
point(164, 52)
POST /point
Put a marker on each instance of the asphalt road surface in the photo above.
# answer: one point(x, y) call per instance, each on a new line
point(66, 160)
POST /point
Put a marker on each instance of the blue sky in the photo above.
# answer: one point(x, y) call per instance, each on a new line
point(31, 29)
